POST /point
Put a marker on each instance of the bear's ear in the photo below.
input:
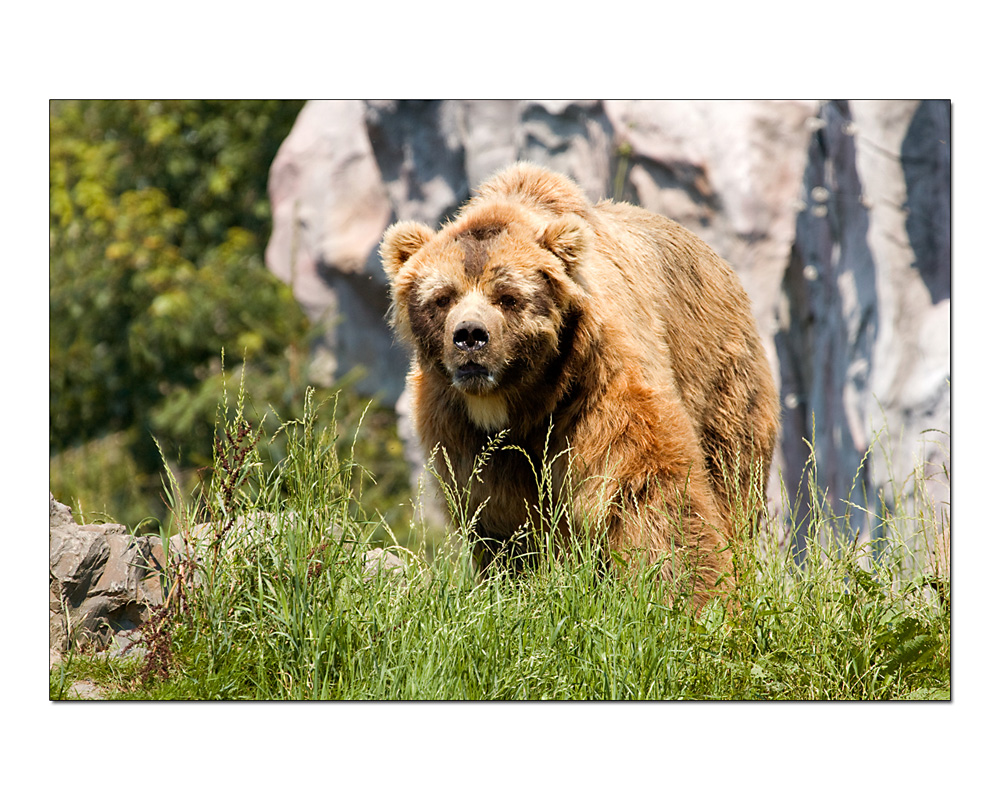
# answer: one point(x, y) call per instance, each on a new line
point(567, 240)
point(399, 244)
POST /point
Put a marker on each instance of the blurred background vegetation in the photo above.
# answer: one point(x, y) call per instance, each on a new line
point(159, 217)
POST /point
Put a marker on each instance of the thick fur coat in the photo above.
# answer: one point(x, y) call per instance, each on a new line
point(601, 328)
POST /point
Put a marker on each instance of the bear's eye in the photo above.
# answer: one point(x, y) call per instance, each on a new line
point(442, 300)
point(507, 301)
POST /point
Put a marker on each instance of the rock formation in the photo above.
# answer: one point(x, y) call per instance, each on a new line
point(864, 338)
point(102, 581)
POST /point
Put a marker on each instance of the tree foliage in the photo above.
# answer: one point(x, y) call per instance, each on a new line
point(158, 221)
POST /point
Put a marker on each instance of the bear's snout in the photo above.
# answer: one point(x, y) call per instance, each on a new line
point(470, 336)
point(476, 350)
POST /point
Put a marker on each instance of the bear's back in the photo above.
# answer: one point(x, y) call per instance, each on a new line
point(692, 325)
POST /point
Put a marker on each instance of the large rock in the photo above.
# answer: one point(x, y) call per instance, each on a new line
point(572, 137)
point(330, 208)
point(864, 340)
point(102, 581)
point(852, 306)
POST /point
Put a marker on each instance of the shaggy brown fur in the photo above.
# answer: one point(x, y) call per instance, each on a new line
point(618, 328)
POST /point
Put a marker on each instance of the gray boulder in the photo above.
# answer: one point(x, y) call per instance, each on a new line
point(102, 581)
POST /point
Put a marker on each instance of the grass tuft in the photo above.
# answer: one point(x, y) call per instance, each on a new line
point(277, 595)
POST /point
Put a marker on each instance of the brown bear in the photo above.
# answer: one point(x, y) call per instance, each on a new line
point(604, 338)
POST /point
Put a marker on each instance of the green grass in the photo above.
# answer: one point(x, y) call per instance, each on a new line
point(290, 612)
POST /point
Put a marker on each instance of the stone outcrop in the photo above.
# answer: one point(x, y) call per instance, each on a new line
point(330, 207)
point(836, 216)
point(864, 336)
point(102, 581)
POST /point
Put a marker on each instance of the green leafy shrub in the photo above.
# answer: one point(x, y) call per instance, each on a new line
point(158, 221)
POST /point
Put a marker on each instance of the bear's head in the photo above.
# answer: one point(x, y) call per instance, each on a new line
point(489, 302)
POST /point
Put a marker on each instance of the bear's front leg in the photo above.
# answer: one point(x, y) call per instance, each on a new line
point(642, 482)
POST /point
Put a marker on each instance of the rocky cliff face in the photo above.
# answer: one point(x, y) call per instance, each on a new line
point(864, 338)
point(836, 216)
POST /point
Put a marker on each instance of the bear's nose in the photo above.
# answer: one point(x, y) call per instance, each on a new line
point(470, 336)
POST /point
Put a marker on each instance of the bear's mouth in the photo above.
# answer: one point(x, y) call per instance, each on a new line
point(473, 377)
